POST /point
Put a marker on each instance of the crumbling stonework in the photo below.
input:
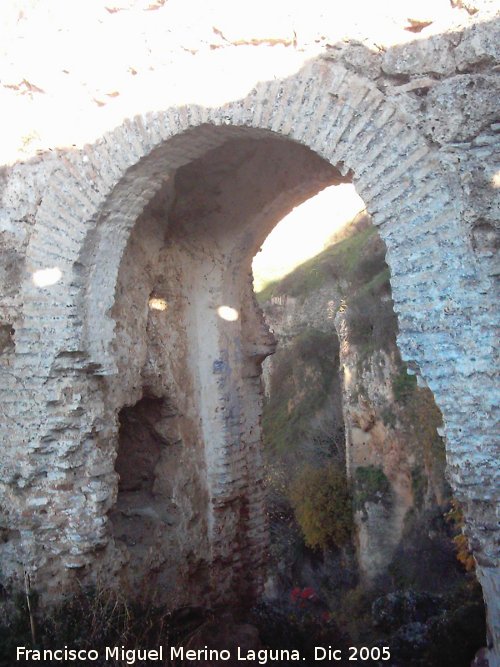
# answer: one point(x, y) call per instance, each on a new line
point(172, 205)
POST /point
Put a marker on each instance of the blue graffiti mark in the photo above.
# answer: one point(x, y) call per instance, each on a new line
point(219, 366)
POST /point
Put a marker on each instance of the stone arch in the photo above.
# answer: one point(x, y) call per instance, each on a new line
point(96, 195)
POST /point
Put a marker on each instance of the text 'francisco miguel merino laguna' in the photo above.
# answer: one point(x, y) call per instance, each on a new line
point(131, 656)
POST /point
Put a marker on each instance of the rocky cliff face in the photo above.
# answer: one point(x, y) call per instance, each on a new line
point(375, 421)
point(394, 455)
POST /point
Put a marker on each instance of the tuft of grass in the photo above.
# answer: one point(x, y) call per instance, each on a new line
point(95, 618)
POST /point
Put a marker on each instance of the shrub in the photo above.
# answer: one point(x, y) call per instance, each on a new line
point(463, 551)
point(370, 485)
point(354, 615)
point(322, 504)
point(424, 417)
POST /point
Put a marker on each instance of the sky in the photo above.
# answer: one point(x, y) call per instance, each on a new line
point(304, 232)
point(71, 70)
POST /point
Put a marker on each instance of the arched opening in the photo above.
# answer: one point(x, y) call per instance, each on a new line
point(188, 332)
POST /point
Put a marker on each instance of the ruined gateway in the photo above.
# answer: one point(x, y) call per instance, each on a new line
point(130, 402)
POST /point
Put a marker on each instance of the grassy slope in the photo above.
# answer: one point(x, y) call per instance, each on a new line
point(342, 261)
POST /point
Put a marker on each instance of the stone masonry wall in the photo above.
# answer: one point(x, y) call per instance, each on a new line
point(416, 129)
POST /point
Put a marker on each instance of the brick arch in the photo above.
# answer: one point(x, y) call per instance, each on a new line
point(96, 195)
